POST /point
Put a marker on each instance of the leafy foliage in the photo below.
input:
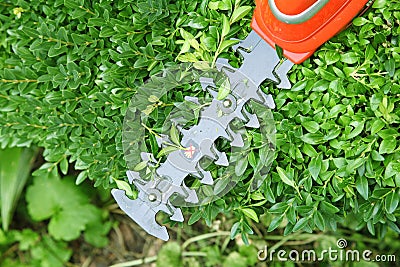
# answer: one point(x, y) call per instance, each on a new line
point(68, 208)
point(69, 68)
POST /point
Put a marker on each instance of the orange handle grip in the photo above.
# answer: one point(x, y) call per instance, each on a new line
point(299, 41)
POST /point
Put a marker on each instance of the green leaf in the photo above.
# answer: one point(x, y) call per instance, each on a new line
point(174, 134)
point(124, 186)
point(64, 165)
point(15, 166)
point(276, 221)
point(241, 166)
point(311, 126)
point(314, 167)
point(224, 89)
point(169, 255)
point(239, 13)
point(250, 213)
point(328, 207)
point(195, 217)
point(252, 159)
point(65, 204)
point(387, 146)
point(300, 224)
point(140, 166)
point(319, 220)
point(349, 58)
point(284, 177)
point(313, 138)
point(362, 186)
point(166, 150)
point(392, 201)
point(377, 126)
point(225, 26)
point(226, 44)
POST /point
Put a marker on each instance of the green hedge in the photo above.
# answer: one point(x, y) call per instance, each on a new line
point(68, 69)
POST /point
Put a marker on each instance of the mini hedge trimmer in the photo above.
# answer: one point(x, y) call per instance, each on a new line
point(298, 28)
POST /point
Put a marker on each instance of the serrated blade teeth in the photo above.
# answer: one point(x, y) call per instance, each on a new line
point(281, 71)
point(207, 178)
point(191, 195)
point(237, 139)
point(177, 216)
point(222, 159)
point(222, 62)
point(192, 99)
point(206, 82)
point(253, 121)
point(269, 102)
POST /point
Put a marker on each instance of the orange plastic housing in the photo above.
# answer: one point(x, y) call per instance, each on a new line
point(299, 41)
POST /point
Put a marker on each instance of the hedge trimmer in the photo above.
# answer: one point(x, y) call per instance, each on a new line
point(298, 28)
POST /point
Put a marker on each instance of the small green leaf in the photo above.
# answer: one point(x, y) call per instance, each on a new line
point(328, 207)
point(349, 58)
point(140, 166)
point(362, 186)
point(64, 165)
point(224, 89)
point(226, 44)
point(174, 134)
point(311, 126)
point(284, 177)
point(252, 159)
point(239, 13)
point(195, 217)
point(153, 99)
point(377, 126)
point(276, 221)
point(387, 146)
point(392, 201)
point(166, 150)
point(124, 186)
point(250, 213)
point(319, 220)
point(241, 166)
point(225, 26)
point(300, 224)
point(315, 166)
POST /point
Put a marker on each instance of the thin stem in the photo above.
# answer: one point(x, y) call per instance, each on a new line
point(202, 237)
point(136, 262)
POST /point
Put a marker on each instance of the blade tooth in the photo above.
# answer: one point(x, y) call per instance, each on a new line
point(207, 150)
point(148, 157)
point(206, 82)
point(191, 194)
point(269, 101)
point(139, 211)
point(249, 43)
point(133, 176)
point(222, 159)
point(192, 99)
point(160, 139)
point(259, 64)
point(207, 178)
point(281, 71)
point(253, 121)
point(237, 139)
point(177, 216)
point(222, 62)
